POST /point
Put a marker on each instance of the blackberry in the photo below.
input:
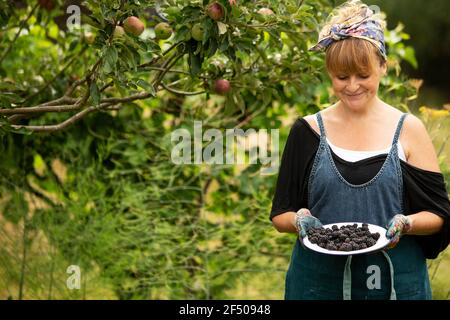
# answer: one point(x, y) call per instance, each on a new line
point(375, 236)
point(336, 234)
point(331, 246)
point(370, 242)
point(345, 247)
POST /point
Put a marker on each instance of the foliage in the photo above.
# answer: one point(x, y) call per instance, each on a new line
point(103, 193)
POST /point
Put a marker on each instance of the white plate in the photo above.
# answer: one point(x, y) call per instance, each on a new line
point(381, 242)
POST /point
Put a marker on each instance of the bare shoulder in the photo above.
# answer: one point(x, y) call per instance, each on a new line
point(311, 119)
point(420, 149)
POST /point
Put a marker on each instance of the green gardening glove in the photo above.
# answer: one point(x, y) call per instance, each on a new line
point(397, 226)
point(305, 221)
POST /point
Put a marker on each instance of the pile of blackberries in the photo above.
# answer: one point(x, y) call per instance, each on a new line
point(346, 238)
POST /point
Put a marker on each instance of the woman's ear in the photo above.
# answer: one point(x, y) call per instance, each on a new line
point(384, 68)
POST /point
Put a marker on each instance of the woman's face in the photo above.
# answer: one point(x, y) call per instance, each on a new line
point(357, 90)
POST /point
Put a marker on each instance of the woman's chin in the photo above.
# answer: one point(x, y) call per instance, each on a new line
point(357, 102)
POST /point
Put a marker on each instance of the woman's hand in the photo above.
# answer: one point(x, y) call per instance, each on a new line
point(304, 220)
point(399, 225)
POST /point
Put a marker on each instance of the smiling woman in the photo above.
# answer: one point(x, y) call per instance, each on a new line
point(380, 169)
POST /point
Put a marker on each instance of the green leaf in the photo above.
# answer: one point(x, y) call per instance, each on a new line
point(39, 165)
point(195, 59)
point(111, 56)
point(95, 93)
point(410, 57)
point(73, 44)
point(146, 86)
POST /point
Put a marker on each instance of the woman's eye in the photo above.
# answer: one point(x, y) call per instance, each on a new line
point(363, 76)
point(342, 77)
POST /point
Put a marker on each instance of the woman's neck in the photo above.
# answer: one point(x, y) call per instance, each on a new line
point(370, 111)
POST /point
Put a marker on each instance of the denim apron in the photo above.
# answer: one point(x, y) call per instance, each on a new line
point(398, 273)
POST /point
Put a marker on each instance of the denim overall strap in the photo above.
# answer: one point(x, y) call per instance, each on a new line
point(391, 271)
point(347, 282)
point(321, 127)
point(397, 132)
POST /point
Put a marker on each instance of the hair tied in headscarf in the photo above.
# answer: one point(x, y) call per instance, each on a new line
point(359, 23)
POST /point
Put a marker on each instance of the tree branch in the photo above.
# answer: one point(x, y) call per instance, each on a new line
point(184, 93)
point(169, 63)
point(62, 125)
point(105, 103)
point(85, 78)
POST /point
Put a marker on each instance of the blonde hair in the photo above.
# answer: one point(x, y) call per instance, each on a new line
point(352, 55)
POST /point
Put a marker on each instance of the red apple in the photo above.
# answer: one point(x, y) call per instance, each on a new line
point(215, 11)
point(222, 86)
point(133, 26)
point(48, 5)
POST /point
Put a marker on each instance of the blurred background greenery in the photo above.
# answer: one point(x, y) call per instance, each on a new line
point(104, 194)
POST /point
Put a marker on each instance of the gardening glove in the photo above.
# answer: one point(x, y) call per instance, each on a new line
point(398, 226)
point(305, 221)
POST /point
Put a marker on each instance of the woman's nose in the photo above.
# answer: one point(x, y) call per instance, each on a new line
point(352, 84)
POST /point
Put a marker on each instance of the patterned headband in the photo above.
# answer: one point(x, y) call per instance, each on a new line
point(356, 27)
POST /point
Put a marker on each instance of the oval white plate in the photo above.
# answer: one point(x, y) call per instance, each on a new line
point(381, 242)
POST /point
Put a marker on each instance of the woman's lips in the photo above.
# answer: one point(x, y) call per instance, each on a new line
point(355, 95)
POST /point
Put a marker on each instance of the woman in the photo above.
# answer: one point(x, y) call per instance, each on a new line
point(361, 160)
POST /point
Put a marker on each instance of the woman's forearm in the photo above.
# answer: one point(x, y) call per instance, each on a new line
point(425, 223)
point(285, 222)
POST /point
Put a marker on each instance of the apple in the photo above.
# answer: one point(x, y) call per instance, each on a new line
point(89, 37)
point(198, 32)
point(119, 32)
point(265, 12)
point(222, 86)
point(163, 31)
point(215, 11)
point(133, 25)
point(48, 5)
point(172, 12)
